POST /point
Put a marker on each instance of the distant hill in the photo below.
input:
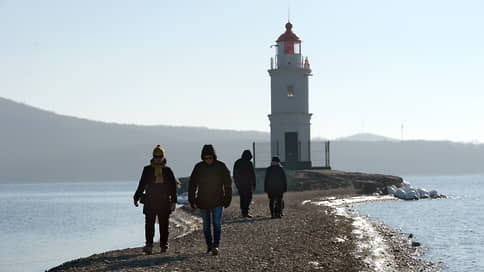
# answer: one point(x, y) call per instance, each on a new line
point(41, 146)
point(408, 157)
point(38, 145)
point(366, 137)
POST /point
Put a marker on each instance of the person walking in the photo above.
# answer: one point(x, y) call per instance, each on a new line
point(275, 185)
point(210, 189)
point(244, 178)
point(157, 191)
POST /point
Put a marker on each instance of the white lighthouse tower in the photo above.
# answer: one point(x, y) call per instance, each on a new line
point(290, 117)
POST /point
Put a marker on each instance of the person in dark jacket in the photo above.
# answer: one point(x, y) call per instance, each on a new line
point(244, 178)
point(275, 185)
point(157, 191)
point(210, 189)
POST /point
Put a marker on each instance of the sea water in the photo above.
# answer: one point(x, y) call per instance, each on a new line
point(452, 229)
point(44, 225)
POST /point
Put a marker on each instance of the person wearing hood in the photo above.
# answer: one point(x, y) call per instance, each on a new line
point(244, 178)
point(157, 191)
point(275, 185)
point(210, 190)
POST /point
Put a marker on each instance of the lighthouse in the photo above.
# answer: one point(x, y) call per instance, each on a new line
point(290, 117)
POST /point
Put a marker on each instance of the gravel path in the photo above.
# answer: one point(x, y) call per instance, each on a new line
point(305, 239)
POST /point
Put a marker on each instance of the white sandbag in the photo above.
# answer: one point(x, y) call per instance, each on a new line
point(400, 193)
point(422, 193)
point(411, 194)
point(391, 189)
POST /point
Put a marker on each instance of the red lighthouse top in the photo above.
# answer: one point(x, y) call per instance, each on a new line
point(288, 36)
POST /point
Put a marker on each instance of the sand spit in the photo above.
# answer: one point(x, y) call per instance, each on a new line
point(307, 238)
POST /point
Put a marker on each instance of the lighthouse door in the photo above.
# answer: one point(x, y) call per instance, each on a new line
point(291, 147)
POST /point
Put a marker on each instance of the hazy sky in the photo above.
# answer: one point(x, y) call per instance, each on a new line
point(376, 64)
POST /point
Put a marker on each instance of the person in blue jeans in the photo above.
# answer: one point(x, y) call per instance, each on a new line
point(212, 217)
point(210, 190)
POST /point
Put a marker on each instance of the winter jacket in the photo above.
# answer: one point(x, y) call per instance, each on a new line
point(158, 197)
point(275, 182)
point(212, 185)
point(244, 175)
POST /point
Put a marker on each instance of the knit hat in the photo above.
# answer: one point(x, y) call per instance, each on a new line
point(276, 159)
point(159, 151)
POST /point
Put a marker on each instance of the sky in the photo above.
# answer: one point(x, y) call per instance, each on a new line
point(377, 65)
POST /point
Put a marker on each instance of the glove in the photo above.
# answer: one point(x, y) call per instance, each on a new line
point(172, 207)
point(193, 205)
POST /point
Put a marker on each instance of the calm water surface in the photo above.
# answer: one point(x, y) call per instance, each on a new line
point(452, 229)
point(44, 225)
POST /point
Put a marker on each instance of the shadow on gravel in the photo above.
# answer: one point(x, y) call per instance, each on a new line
point(79, 263)
point(228, 222)
point(114, 258)
point(150, 262)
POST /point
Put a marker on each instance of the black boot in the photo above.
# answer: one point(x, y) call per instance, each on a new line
point(148, 249)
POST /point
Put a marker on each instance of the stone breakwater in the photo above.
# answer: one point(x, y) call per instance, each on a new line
point(318, 179)
point(307, 238)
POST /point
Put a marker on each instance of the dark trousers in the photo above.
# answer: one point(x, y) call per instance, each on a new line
point(245, 200)
point(275, 205)
point(150, 228)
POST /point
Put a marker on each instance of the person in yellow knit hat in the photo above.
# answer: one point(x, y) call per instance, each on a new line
point(157, 191)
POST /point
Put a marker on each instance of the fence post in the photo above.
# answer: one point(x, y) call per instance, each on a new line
point(309, 150)
point(324, 158)
point(253, 152)
point(299, 150)
point(277, 145)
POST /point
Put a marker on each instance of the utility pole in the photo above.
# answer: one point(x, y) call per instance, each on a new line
point(401, 133)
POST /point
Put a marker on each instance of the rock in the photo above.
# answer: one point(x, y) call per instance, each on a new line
point(425, 196)
point(434, 194)
point(405, 185)
point(415, 244)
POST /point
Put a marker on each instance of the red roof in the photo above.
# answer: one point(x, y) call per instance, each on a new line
point(288, 36)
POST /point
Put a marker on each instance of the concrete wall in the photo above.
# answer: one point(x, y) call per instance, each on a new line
point(290, 122)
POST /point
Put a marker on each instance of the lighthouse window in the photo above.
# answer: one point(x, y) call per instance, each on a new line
point(289, 48)
point(290, 91)
point(297, 48)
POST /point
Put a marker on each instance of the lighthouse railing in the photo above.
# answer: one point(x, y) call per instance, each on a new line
point(275, 65)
